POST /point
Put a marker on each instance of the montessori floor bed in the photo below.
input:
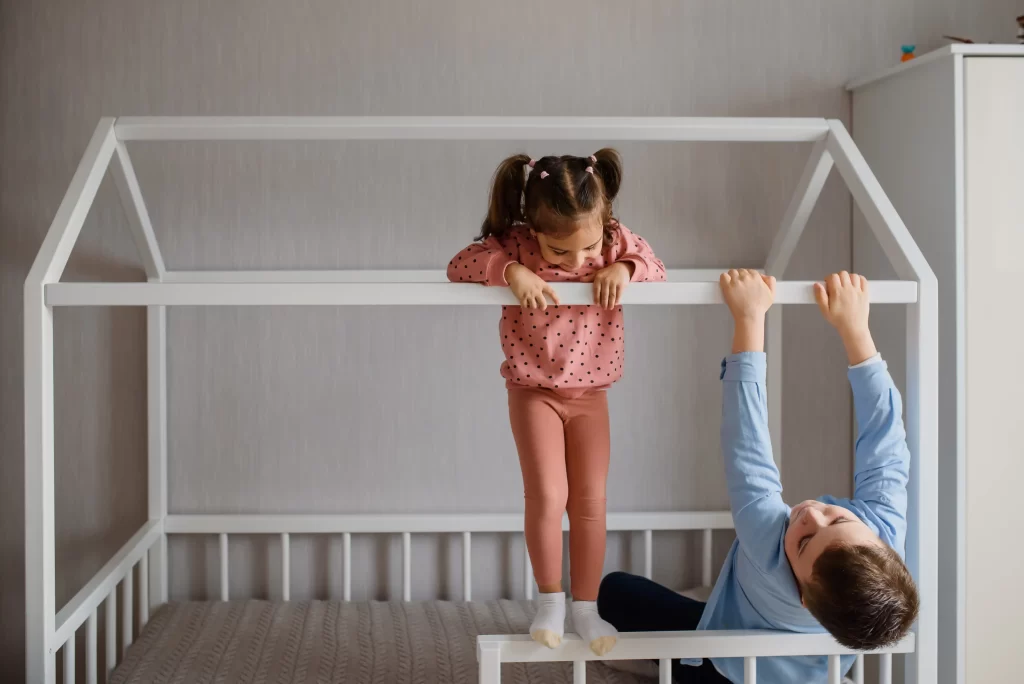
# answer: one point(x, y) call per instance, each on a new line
point(145, 637)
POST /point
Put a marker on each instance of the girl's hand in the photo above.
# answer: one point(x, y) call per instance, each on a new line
point(529, 288)
point(748, 293)
point(610, 282)
point(844, 302)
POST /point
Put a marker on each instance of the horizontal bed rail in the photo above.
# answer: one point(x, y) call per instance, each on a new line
point(598, 128)
point(414, 294)
point(666, 647)
point(427, 523)
point(521, 648)
point(437, 275)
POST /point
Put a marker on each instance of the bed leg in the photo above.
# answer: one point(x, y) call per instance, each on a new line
point(489, 656)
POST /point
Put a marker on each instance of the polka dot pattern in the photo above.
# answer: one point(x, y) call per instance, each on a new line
point(564, 347)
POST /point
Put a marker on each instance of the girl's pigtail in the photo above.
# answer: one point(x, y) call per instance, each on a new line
point(506, 204)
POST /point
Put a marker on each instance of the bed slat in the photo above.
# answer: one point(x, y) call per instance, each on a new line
point(127, 601)
point(286, 567)
point(467, 567)
point(224, 589)
point(111, 633)
point(90, 649)
point(69, 660)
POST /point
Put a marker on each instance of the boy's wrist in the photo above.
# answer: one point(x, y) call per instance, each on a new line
point(859, 345)
point(748, 335)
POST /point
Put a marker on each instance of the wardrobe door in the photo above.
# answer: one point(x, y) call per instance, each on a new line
point(994, 387)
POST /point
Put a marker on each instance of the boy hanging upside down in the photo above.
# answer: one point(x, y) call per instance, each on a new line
point(829, 564)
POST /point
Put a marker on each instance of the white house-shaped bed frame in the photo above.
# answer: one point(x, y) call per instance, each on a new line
point(49, 630)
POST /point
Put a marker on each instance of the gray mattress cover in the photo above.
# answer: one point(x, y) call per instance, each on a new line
point(329, 641)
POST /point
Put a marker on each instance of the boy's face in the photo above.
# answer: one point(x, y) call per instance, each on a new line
point(813, 527)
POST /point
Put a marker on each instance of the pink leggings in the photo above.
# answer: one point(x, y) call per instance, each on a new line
point(564, 446)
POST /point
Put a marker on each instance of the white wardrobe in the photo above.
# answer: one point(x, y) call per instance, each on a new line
point(945, 135)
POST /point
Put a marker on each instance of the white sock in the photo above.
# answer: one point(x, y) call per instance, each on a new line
point(592, 629)
point(549, 623)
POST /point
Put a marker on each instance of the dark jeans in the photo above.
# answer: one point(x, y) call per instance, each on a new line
point(636, 604)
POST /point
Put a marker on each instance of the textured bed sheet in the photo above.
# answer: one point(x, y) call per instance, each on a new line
point(304, 642)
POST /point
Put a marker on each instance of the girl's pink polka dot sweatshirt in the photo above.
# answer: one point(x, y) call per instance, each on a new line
point(565, 347)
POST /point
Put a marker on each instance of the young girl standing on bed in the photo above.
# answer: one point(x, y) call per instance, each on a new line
point(550, 220)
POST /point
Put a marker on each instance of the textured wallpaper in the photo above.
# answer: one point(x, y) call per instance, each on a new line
point(344, 410)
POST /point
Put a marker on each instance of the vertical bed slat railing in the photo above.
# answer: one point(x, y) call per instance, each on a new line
point(835, 670)
point(467, 567)
point(69, 660)
point(579, 672)
point(885, 668)
point(857, 674)
point(648, 553)
point(286, 567)
point(127, 602)
point(143, 590)
point(91, 649)
point(224, 590)
point(706, 569)
point(665, 671)
point(346, 563)
point(406, 566)
point(750, 670)
point(110, 616)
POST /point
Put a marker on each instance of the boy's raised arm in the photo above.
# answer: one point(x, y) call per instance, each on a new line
point(755, 490)
point(881, 456)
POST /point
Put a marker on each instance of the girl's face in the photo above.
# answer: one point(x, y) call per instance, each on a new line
point(579, 239)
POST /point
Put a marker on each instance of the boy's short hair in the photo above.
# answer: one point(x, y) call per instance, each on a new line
point(863, 595)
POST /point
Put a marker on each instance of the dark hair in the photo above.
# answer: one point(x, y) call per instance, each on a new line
point(568, 190)
point(863, 595)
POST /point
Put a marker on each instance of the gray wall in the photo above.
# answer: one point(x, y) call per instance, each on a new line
point(364, 410)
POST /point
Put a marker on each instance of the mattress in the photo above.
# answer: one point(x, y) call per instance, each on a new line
point(304, 642)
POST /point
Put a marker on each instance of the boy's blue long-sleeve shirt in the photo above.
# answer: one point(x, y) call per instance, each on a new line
point(756, 588)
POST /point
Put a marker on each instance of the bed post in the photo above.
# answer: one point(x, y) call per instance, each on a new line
point(40, 562)
point(922, 411)
point(489, 656)
point(156, 366)
point(156, 384)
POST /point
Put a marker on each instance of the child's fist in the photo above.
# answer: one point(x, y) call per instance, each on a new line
point(748, 293)
point(843, 301)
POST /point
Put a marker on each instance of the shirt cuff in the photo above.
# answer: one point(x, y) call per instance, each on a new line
point(872, 376)
point(877, 358)
point(744, 367)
